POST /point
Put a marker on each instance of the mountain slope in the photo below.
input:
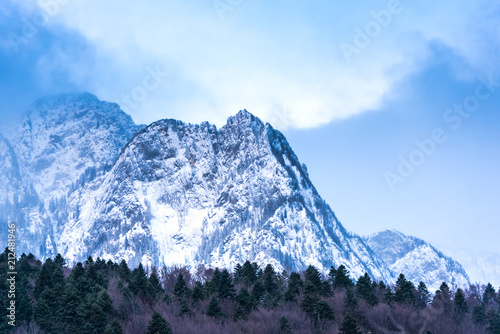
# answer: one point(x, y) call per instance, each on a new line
point(61, 143)
point(418, 260)
point(192, 194)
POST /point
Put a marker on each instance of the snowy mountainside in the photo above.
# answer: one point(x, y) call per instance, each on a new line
point(417, 260)
point(192, 194)
point(60, 143)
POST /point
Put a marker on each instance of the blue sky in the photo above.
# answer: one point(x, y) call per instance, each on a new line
point(353, 86)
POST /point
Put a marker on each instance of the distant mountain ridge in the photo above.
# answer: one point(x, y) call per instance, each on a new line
point(80, 178)
point(417, 259)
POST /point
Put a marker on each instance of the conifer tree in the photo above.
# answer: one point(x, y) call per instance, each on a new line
point(489, 295)
point(154, 288)
point(294, 285)
point(158, 325)
point(249, 273)
point(342, 279)
point(257, 293)
point(139, 280)
point(225, 288)
point(124, 271)
point(180, 289)
point(214, 309)
point(349, 325)
point(442, 299)
point(479, 315)
point(43, 316)
point(405, 291)
point(461, 307)
point(351, 302)
point(312, 275)
point(197, 293)
point(364, 289)
point(71, 314)
point(423, 296)
point(184, 308)
point(113, 328)
point(270, 280)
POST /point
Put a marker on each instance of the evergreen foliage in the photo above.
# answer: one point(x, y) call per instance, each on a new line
point(158, 325)
point(106, 297)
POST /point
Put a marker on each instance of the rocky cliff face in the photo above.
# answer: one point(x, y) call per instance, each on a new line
point(61, 143)
point(193, 194)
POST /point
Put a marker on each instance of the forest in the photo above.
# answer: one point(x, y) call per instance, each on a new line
point(105, 297)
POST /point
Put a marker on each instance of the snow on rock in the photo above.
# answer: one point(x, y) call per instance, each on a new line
point(417, 260)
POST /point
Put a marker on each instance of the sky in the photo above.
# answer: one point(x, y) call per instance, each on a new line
point(392, 105)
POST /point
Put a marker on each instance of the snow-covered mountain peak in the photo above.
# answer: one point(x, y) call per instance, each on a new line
point(417, 259)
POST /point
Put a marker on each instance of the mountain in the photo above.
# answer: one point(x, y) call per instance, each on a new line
point(79, 178)
point(183, 194)
point(61, 143)
point(416, 259)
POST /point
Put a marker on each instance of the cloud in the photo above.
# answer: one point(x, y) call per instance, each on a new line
point(281, 61)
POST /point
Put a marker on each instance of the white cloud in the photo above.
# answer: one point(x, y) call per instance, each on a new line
point(282, 63)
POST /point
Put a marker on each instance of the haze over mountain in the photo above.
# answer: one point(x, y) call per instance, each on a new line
point(80, 178)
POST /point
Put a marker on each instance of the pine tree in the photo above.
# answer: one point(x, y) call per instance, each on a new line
point(237, 273)
point(461, 307)
point(249, 273)
point(244, 306)
point(154, 288)
point(489, 295)
point(113, 328)
point(405, 291)
point(351, 301)
point(258, 292)
point(312, 275)
point(270, 280)
point(184, 308)
point(158, 325)
point(364, 289)
point(479, 315)
point(225, 287)
point(342, 279)
point(294, 285)
point(310, 300)
point(124, 271)
point(139, 280)
point(349, 325)
point(423, 296)
point(197, 293)
point(285, 327)
point(71, 312)
point(106, 303)
point(213, 308)
point(180, 289)
point(442, 299)
point(324, 311)
point(43, 316)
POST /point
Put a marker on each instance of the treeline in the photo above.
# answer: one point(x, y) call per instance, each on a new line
point(104, 297)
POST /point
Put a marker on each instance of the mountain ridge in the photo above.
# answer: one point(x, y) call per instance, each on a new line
point(171, 193)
